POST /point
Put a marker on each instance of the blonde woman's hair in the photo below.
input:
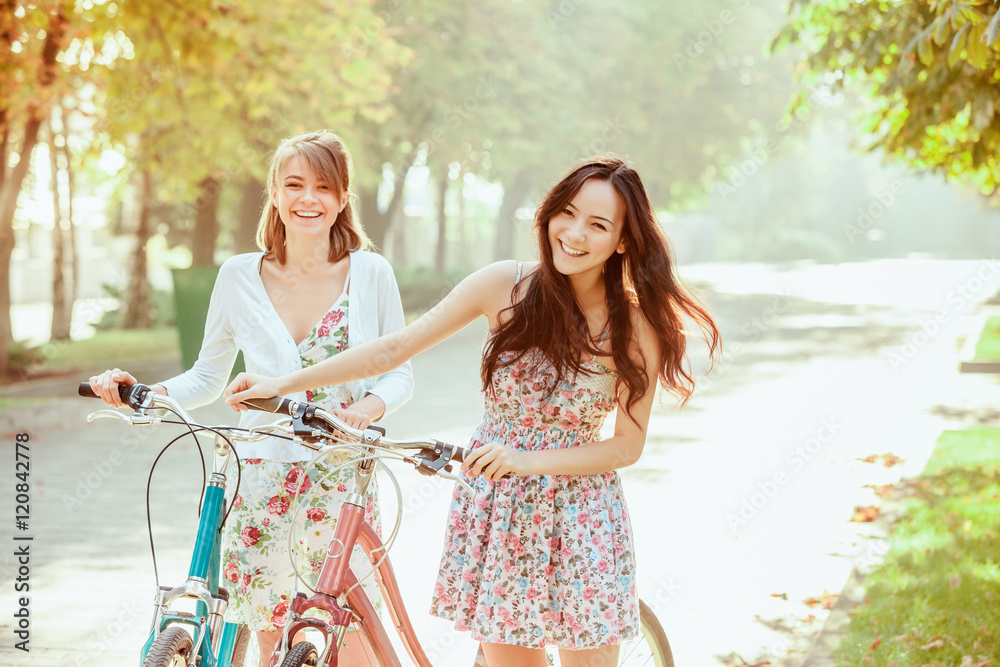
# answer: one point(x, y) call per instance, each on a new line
point(327, 156)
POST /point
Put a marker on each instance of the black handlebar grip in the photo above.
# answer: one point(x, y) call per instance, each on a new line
point(276, 404)
point(124, 391)
point(132, 395)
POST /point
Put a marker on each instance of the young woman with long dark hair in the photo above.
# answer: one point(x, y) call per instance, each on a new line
point(545, 557)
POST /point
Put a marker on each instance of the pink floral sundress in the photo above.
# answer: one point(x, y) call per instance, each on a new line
point(256, 569)
point(541, 560)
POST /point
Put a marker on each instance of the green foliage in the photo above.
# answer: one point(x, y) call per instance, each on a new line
point(110, 348)
point(936, 597)
point(23, 360)
point(161, 305)
point(988, 345)
point(792, 244)
point(928, 72)
point(420, 289)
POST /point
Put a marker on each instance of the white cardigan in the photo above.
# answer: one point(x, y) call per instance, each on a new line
point(241, 316)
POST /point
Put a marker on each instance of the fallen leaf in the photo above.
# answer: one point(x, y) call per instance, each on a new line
point(881, 490)
point(889, 460)
point(864, 513)
point(935, 642)
point(783, 596)
point(826, 601)
point(875, 644)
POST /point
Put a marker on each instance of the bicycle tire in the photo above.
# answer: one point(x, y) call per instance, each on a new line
point(172, 648)
point(240, 646)
point(651, 648)
point(302, 654)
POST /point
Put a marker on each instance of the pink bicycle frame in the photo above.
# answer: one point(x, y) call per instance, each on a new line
point(337, 577)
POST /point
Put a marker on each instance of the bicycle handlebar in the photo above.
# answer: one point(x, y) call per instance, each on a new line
point(138, 396)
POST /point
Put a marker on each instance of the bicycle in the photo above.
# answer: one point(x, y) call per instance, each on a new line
point(338, 591)
point(212, 641)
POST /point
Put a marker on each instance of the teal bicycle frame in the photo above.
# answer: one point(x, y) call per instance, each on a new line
point(203, 580)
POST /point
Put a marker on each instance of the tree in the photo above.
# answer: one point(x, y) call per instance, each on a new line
point(927, 73)
point(30, 41)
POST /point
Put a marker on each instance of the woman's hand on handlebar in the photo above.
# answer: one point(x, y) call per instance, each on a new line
point(247, 385)
point(493, 461)
point(353, 418)
point(106, 385)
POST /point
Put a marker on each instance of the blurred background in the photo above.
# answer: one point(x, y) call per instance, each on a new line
point(136, 135)
point(826, 171)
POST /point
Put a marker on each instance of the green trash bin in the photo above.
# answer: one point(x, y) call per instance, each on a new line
point(192, 294)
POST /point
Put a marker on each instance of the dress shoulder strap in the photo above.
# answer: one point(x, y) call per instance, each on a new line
point(517, 278)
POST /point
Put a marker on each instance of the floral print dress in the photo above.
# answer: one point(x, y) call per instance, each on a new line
point(257, 570)
point(541, 560)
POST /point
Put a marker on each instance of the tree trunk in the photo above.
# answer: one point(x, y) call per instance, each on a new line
point(10, 186)
point(464, 247)
point(251, 202)
point(206, 224)
point(377, 223)
point(137, 311)
point(513, 195)
point(73, 255)
point(60, 316)
point(441, 252)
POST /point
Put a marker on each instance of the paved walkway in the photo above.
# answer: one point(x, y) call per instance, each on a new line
point(740, 503)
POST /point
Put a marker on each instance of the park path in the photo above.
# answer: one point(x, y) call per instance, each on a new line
point(740, 502)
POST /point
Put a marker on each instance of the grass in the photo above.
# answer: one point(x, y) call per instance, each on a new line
point(988, 345)
point(12, 403)
point(935, 600)
point(106, 348)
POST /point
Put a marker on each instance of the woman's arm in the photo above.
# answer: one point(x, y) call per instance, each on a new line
point(493, 460)
point(477, 295)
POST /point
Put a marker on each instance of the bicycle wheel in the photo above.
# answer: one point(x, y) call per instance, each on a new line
point(301, 654)
point(240, 646)
point(651, 647)
point(171, 649)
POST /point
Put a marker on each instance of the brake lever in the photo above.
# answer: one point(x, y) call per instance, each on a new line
point(283, 427)
point(455, 478)
point(136, 418)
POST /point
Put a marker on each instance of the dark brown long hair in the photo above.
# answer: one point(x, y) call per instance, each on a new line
point(549, 319)
point(327, 156)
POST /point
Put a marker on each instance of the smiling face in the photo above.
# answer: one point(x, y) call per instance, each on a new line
point(588, 230)
point(306, 203)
